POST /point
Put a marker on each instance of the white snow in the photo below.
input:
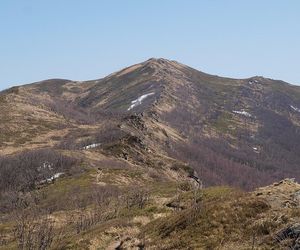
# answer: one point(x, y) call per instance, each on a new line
point(94, 145)
point(45, 165)
point(53, 177)
point(242, 112)
point(139, 100)
point(252, 82)
point(295, 108)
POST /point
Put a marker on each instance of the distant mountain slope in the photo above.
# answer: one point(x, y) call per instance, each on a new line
point(127, 161)
point(241, 132)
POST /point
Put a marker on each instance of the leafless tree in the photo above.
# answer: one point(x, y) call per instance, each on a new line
point(33, 230)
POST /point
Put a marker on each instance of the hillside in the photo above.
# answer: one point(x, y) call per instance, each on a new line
point(249, 126)
point(155, 152)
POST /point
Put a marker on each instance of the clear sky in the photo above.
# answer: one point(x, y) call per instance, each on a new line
point(88, 39)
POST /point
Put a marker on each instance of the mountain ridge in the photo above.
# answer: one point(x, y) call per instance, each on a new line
point(243, 114)
point(149, 61)
point(157, 155)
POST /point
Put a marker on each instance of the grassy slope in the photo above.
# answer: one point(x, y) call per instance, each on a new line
point(212, 218)
point(224, 218)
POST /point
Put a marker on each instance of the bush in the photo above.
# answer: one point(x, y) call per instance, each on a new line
point(23, 172)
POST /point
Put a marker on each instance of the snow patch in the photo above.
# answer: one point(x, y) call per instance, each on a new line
point(242, 112)
point(139, 100)
point(55, 176)
point(295, 108)
point(45, 165)
point(94, 145)
point(52, 178)
point(252, 82)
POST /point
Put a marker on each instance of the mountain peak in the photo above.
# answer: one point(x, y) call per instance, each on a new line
point(162, 64)
point(157, 60)
point(161, 61)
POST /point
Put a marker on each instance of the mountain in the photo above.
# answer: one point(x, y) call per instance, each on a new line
point(243, 133)
point(146, 145)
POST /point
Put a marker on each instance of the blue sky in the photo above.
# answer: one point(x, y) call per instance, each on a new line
point(88, 39)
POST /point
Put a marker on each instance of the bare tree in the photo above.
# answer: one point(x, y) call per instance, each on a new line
point(33, 230)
